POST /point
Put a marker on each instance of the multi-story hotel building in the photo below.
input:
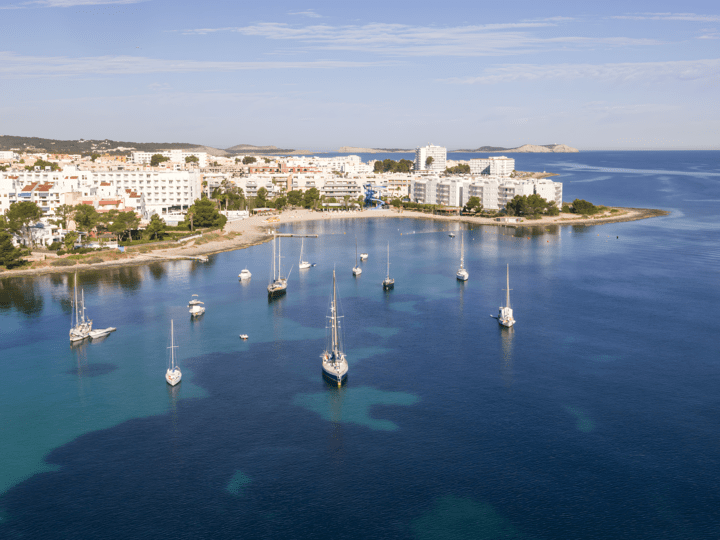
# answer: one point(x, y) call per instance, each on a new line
point(175, 156)
point(494, 166)
point(439, 155)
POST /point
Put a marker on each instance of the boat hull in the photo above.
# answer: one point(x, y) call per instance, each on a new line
point(388, 285)
point(274, 292)
point(173, 377)
point(506, 323)
point(462, 277)
point(333, 376)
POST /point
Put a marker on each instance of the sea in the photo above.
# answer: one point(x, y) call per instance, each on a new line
point(596, 417)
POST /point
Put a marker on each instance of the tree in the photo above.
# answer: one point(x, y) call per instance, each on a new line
point(157, 159)
point(280, 203)
point(473, 205)
point(85, 217)
point(156, 226)
point(247, 160)
point(295, 197)
point(93, 157)
point(266, 160)
point(261, 199)
point(530, 205)
point(9, 254)
point(20, 216)
point(122, 223)
point(63, 212)
point(429, 161)
point(4, 168)
point(42, 164)
point(203, 213)
point(69, 240)
point(581, 206)
point(311, 197)
point(192, 159)
point(462, 168)
point(396, 203)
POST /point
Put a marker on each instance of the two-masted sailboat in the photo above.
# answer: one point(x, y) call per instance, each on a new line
point(82, 327)
point(173, 374)
point(505, 317)
point(462, 274)
point(334, 362)
point(278, 284)
point(388, 282)
point(356, 269)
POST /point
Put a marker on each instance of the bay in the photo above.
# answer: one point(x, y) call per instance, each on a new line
point(595, 417)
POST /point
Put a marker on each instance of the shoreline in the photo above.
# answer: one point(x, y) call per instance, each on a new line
point(253, 231)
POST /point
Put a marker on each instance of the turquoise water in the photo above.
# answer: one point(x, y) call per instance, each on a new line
point(595, 417)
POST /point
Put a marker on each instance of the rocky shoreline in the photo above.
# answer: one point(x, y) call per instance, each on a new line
point(256, 230)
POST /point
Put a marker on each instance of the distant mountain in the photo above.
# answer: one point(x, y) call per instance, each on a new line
point(84, 146)
point(251, 149)
point(525, 148)
point(360, 150)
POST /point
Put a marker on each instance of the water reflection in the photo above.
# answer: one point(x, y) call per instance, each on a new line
point(22, 295)
point(336, 441)
point(506, 337)
point(157, 270)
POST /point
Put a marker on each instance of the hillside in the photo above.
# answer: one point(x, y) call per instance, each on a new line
point(83, 146)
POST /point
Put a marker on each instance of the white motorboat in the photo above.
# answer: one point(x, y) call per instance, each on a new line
point(303, 264)
point(388, 282)
point(462, 274)
point(451, 235)
point(244, 336)
point(356, 269)
point(101, 332)
point(334, 362)
point(505, 317)
point(244, 275)
point(82, 327)
point(196, 306)
point(173, 374)
point(364, 256)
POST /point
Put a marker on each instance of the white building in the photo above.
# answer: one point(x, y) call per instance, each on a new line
point(493, 166)
point(439, 155)
point(8, 155)
point(175, 156)
point(494, 192)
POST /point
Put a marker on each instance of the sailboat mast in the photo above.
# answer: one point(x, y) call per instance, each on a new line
point(507, 300)
point(388, 265)
point(77, 321)
point(334, 318)
point(279, 257)
point(302, 243)
point(462, 251)
point(273, 265)
point(82, 293)
point(172, 345)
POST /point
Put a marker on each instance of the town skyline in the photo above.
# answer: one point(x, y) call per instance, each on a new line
point(318, 75)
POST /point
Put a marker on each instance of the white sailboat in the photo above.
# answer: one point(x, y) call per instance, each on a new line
point(505, 317)
point(462, 274)
point(173, 374)
point(356, 269)
point(278, 284)
point(196, 306)
point(388, 282)
point(303, 264)
point(334, 362)
point(82, 327)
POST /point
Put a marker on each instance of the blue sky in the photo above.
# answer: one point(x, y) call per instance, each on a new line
point(319, 74)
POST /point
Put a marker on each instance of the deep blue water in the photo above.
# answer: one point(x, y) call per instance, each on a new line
point(597, 416)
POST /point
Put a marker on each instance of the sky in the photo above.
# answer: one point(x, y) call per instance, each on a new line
point(318, 75)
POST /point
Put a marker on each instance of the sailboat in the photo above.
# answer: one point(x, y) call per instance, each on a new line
point(334, 362)
point(196, 306)
point(278, 285)
point(82, 327)
point(505, 317)
point(462, 274)
point(356, 270)
point(303, 264)
point(173, 374)
point(388, 282)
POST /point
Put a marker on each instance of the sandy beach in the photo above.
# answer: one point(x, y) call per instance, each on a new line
point(256, 230)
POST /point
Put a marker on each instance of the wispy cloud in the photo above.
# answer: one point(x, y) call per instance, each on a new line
point(688, 70)
point(307, 13)
point(67, 3)
point(405, 40)
point(693, 17)
point(19, 66)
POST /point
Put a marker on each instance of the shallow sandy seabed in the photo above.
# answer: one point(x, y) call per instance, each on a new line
point(256, 230)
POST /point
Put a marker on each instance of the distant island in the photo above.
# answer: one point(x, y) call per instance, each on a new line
point(525, 148)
